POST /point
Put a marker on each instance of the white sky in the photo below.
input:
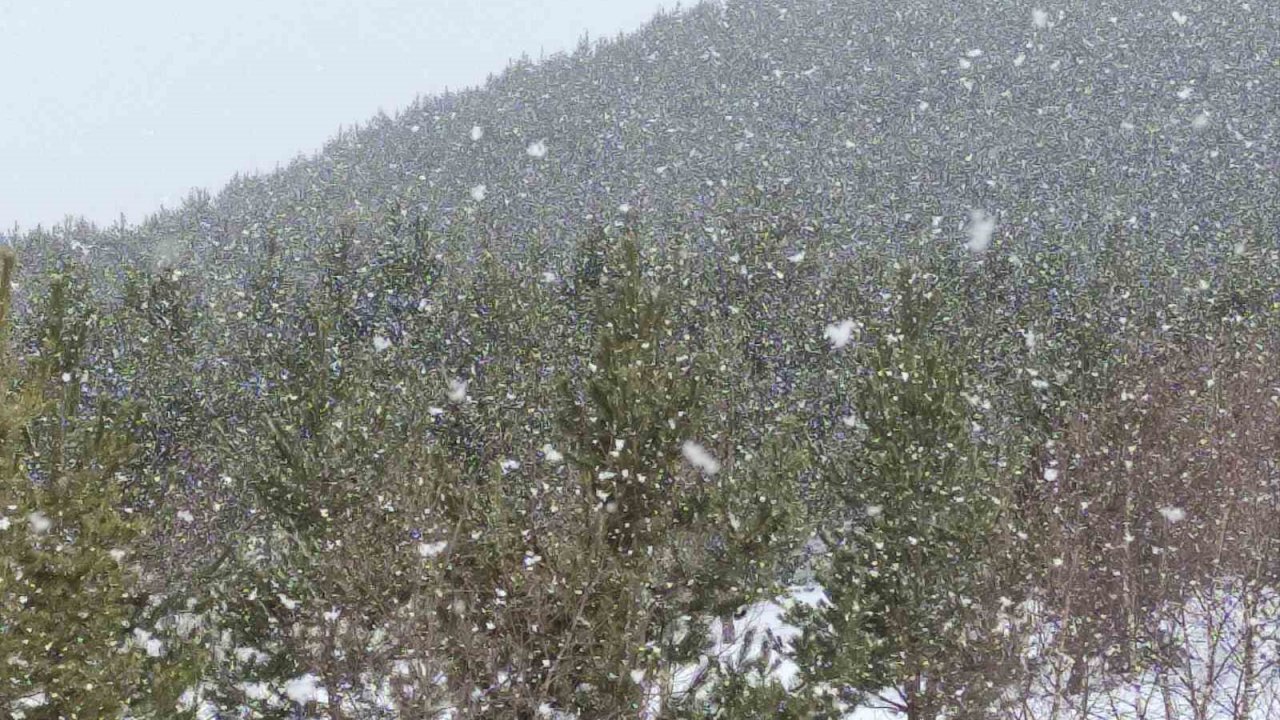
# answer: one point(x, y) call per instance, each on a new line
point(110, 106)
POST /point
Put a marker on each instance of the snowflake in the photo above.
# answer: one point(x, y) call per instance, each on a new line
point(477, 132)
point(1039, 18)
point(432, 549)
point(478, 192)
point(1173, 514)
point(39, 522)
point(840, 333)
point(537, 149)
point(457, 391)
point(700, 458)
point(981, 226)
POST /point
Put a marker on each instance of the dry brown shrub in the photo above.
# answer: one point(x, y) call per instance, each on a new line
point(1152, 503)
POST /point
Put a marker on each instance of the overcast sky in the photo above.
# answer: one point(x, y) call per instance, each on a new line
point(110, 106)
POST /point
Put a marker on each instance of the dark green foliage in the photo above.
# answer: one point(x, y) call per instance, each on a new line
point(906, 576)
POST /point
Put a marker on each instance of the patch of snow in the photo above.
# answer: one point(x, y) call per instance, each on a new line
point(306, 689)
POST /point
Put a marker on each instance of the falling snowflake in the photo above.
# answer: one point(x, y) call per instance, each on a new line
point(457, 390)
point(1201, 121)
point(510, 465)
point(700, 458)
point(839, 333)
point(981, 227)
point(432, 549)
point(1178, 17)
point(39, 522)
point(1185, 93)
point(1039, 18)
point(537, 149)
point(477, 132)
point(478, 192)
point(1173, 514)
point(797, 258)
point(186, 516)
point(380, 343)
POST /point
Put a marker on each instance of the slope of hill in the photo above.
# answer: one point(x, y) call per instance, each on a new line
point(1059, 119)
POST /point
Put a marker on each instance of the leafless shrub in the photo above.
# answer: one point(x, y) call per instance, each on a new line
point(1158, 519)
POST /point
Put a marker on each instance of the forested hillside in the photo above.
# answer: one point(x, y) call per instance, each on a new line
point(781, 359)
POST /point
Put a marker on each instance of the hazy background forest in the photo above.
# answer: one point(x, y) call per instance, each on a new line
point(803, 359)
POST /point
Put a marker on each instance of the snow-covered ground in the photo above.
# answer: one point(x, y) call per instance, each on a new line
point(1219, 658)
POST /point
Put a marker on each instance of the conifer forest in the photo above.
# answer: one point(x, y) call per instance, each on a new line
point(781, 359)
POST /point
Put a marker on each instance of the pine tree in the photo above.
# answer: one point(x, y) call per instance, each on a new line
point(906, 575)
point(71, 618)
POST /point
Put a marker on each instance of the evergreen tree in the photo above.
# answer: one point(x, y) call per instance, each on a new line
point(908, 570)
point(72, 622)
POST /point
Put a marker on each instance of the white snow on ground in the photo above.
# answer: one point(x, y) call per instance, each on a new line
point(1217, 646)
point(1211, 633)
